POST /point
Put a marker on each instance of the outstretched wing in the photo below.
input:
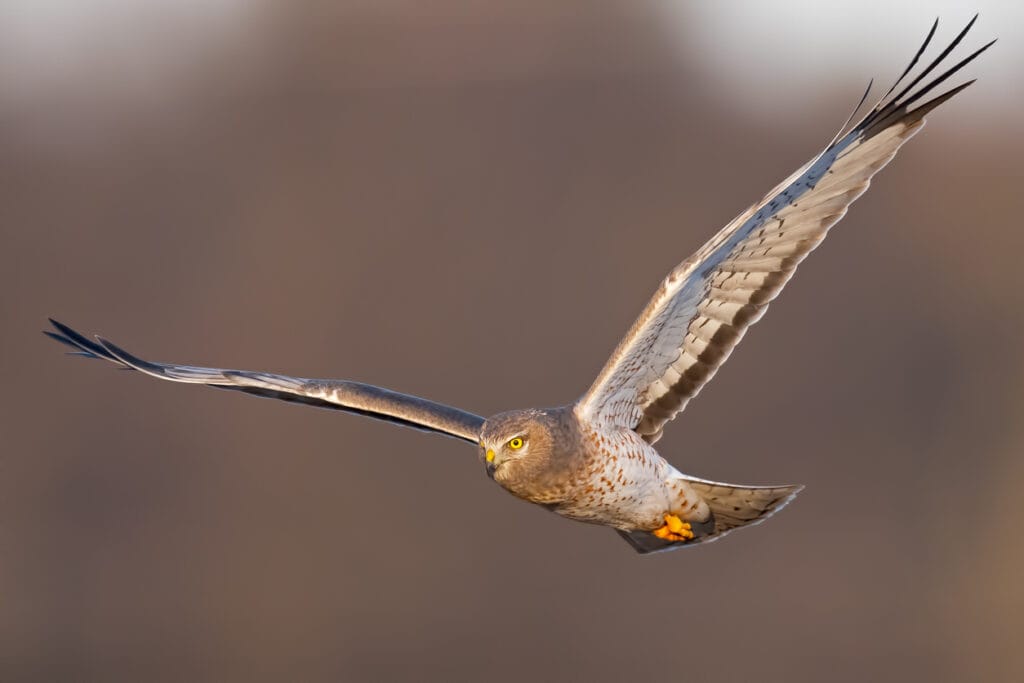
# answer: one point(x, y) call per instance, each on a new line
point(351, 397)
point(704, 306)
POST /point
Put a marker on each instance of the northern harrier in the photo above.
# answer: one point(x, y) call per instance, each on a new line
point(594, 460)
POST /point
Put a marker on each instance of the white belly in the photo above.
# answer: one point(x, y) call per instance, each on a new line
point(626, 484)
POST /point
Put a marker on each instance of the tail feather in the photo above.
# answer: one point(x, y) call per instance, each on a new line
point(735, 506)
point(731, 507)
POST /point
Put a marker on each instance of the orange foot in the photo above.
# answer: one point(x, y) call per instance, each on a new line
point(674, 529)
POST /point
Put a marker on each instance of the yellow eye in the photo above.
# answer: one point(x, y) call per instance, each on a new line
point(515, 444)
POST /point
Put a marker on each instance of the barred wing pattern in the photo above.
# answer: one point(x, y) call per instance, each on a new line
point(351, 397)
point(705, 305)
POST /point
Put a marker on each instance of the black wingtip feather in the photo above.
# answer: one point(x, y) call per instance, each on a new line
point(946, 74)
point(66, 335)
point(892, 109)
point(60, 338)
point(935, 62)
point(128, 359)
point(844, 129)
point(913, 62)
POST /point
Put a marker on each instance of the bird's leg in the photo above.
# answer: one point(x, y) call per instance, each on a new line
point(674, 529)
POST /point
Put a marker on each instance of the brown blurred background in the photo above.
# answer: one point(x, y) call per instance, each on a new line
point(472, 201)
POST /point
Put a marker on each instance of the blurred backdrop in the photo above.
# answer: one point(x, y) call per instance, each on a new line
point(471, 202)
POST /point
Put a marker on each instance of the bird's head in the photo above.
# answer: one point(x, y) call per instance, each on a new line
point(510, 438)
point(518, 448)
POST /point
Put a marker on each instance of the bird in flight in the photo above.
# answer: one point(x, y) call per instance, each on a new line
point(594, 460)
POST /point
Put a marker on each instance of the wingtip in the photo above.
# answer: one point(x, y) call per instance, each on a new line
point(58, 325)
point(55, 325)
point(112, 348)
point(969, 24)
point(108, 345)
point(66, 330)
point(59, 338)
point(69, 337)
point(127, 359)
point(924, 109)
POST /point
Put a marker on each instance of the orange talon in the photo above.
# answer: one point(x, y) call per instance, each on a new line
point(674, 529)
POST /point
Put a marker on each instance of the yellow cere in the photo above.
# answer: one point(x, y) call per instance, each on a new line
point(490, 455)
point(515, 444)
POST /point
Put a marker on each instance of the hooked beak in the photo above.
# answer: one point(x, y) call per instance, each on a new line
point(490, 462)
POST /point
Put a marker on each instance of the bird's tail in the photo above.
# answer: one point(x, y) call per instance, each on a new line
point(732, 506)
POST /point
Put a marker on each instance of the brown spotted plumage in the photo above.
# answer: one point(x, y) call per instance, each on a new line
point(594, 461)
